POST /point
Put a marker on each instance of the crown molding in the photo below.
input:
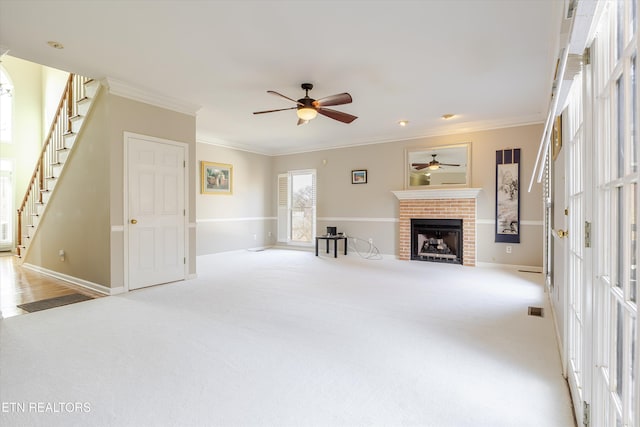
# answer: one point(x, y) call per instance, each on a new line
point(126, 90)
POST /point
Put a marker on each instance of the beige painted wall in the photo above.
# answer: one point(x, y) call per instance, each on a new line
point(37, 92)
point(241, 220)
point(27, 121)
point(76, 219)
point(126, 115)
point(371, 210)
point(53, 84)
point(85, 215)
point(365, 210)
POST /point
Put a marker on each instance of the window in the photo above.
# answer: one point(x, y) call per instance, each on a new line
point(616, 189)
point(297, 207)
point(6, 107)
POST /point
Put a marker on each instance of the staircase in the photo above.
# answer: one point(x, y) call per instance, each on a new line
point(73, 108)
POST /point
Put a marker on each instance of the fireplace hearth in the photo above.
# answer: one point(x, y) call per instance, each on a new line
point(438, 204)
point(437, 240)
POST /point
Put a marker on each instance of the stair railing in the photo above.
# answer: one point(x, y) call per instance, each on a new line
point(53, 144)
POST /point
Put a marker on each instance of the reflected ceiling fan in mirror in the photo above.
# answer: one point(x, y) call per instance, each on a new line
point(432, 165)
point(308, 108)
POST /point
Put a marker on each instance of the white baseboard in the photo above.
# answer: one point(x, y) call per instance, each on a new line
point(529, 268)
point(74, 280)
point(556, 328)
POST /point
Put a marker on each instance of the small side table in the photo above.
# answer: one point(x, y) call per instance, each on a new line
point(335, 244)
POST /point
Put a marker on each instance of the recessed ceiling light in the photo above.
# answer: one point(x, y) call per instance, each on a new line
point(55, 45)
point(403, 122)
point(448, 116)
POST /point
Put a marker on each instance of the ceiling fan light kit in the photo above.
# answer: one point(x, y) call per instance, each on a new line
point(308, 108)
point(307, 113)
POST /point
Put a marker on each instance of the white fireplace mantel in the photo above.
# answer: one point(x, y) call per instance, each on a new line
point(438, 193)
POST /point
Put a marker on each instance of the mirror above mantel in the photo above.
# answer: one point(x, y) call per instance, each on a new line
point(438, 167)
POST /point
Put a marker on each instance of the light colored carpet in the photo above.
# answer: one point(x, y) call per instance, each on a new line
point(284, 338)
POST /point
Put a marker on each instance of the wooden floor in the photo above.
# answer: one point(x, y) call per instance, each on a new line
point(20, 285)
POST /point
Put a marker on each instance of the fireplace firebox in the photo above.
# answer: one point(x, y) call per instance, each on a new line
point(437, 240)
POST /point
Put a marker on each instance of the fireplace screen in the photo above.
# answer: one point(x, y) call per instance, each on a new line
point(438, 240)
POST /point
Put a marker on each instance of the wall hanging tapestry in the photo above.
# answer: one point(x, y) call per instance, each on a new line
point(508, 195)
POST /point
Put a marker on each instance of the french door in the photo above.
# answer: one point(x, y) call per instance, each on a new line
point(297, 207)
point(615, 208)
point(600, 253)
point(576, 258)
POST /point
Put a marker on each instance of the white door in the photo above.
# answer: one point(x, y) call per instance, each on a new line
point(558, 243)
point(616, 388)
point(156, 211)
point(577, 257)
point(297, 207)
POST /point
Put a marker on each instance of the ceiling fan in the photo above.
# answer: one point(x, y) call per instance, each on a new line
point(308, 108)
point(433, 164)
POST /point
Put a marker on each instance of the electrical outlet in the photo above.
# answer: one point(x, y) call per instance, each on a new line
point(269, 235)
point(370, 241)
point(509, 248)
point(255, 237)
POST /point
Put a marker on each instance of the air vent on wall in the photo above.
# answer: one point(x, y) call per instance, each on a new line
point(536, 311)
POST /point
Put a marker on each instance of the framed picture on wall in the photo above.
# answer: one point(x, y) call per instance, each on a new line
point(216, 178)
point(359, 176)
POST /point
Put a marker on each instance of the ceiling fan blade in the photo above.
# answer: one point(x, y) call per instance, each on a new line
point(448, 164)
point(302, 122)
point(273, 92)
point(419, 166)
point(337, 115)
point(273, 111)
point(339, 99)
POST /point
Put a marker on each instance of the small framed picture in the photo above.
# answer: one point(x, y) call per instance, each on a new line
point(359, 176)
point(216, 178)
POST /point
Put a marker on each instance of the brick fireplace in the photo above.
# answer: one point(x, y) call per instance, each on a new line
point(459, 203)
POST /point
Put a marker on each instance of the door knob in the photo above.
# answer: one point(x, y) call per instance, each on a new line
point(134, 221)
point(562, 233)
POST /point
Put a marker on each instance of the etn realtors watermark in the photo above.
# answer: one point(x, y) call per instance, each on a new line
point(45, 407)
